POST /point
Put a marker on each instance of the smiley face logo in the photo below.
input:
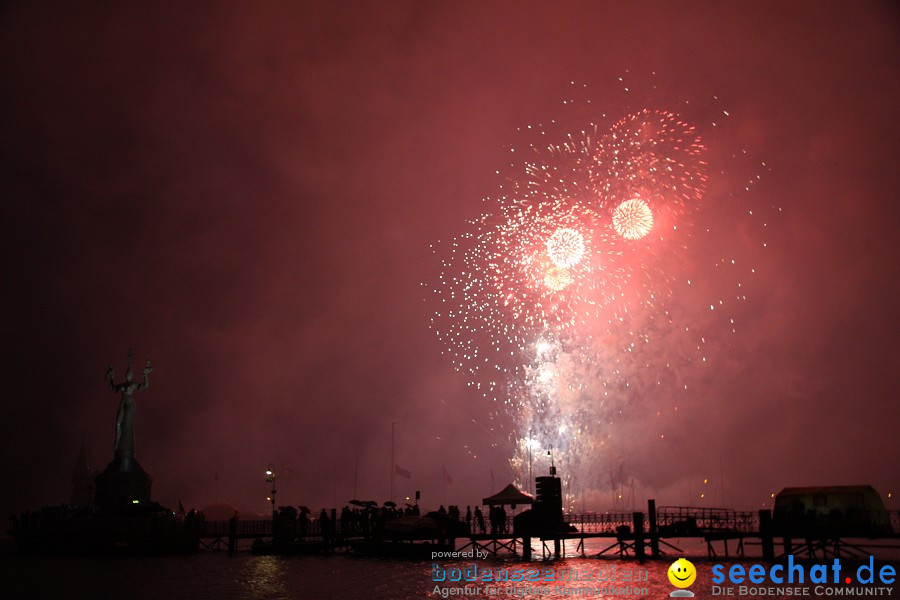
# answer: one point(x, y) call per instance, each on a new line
point(682, 573)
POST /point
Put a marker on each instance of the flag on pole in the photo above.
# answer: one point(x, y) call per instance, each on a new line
point(398, 470)
point(447, 479)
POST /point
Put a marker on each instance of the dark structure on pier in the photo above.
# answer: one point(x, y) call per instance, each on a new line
point(546, 514)
point(122, 483)
point(846, 510)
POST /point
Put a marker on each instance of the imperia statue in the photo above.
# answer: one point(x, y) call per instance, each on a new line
point(124, 445)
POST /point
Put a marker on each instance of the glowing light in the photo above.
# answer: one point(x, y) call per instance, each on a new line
point(557, 279)
point(532, 443)
point(632, 219)
point(565, 247)
point(545, 376)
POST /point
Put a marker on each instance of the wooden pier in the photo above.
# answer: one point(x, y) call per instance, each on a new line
point(636, 535)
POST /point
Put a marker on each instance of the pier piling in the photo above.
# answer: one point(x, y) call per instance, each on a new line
point(654, 533)
point(765, 535)
point(232, 535)
point(639, 535)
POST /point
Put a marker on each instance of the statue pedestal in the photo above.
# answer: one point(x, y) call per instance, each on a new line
point(121, 483)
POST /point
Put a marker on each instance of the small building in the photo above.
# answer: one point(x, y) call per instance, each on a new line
point(839, 510)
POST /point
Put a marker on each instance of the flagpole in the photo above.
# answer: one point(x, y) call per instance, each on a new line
point(392, 460)
point(721, 481)
point(356, 474)
point(530, 486)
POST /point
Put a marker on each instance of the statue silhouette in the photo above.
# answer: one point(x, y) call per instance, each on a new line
point(124, 444)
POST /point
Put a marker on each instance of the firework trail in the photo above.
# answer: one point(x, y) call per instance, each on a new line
point(555, 304)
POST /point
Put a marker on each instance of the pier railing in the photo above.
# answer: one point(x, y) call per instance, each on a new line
point(692, 519)
point(351, 528)
point(599, 522)
point(670, 521)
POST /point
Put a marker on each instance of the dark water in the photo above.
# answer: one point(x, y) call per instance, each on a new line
point(217, 575)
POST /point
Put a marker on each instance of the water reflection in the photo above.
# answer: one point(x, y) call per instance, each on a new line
point(215, 575)
point(266, 577)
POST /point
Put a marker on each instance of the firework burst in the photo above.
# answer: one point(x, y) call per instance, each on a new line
point(651, 163)
point(555, 303)
point(565, 247)
point(632, 219)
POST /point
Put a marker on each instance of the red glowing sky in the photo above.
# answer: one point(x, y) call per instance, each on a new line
point(247, 195)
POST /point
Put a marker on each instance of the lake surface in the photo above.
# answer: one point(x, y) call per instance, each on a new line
point(217, 575)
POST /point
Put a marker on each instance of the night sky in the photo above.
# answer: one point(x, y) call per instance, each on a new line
point(247, 195)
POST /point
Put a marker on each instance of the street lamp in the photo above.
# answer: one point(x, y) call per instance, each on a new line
point(270, 478)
